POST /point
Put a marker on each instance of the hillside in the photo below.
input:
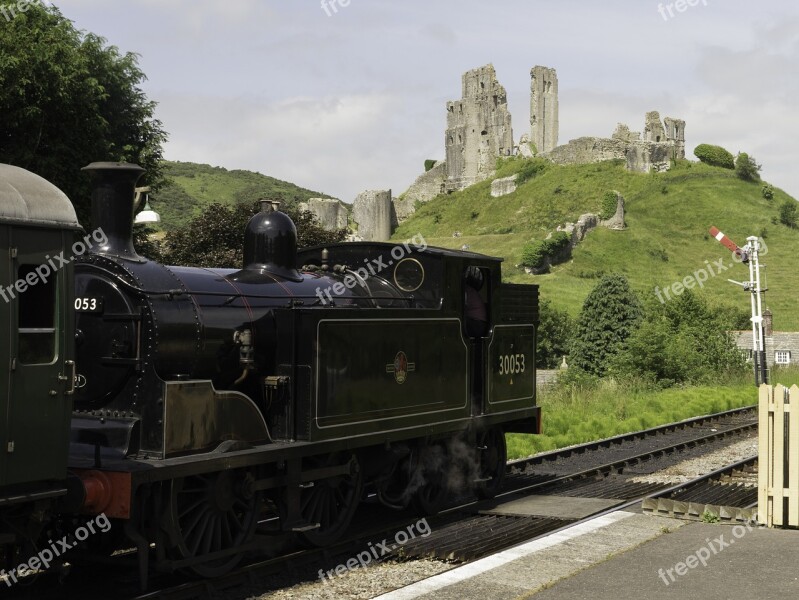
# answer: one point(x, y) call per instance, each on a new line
point(191, 187)
point(667, 214)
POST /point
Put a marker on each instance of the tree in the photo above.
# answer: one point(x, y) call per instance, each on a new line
point(788, 214)
point(216, 237)
point(610, 314)
point(746, 167)
point(554, 335)
point(68, 99)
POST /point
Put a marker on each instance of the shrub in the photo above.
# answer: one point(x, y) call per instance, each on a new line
point(532, 167)
point(767, 191)
point(746, 167)
point(535, 254)
point(608, 209)
point(788, 213)
point(554, 335)
point(429, 164)
point(715, 156)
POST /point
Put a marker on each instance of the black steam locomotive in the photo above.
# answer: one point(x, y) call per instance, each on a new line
point(193, 401)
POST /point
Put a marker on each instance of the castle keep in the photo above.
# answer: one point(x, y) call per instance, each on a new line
point(478, 129)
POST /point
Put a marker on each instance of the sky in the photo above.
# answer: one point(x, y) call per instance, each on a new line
point(351, 96)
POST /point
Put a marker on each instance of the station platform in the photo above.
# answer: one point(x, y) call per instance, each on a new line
point(629, 555)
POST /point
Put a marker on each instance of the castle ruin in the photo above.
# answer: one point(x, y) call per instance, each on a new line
point(543, 108)
point(478, 129)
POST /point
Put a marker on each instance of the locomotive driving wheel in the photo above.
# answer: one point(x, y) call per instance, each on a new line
point(492, 455)
point(331, 502)
point(210, 513)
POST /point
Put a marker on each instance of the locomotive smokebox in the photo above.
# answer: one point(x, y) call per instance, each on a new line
point(270, 244)
point(112, 206)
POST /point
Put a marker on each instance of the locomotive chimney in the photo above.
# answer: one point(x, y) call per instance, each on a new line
point(112, 206)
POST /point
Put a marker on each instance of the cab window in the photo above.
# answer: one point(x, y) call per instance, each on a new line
point(37, 306)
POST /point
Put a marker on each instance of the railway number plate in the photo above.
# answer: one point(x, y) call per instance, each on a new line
point(89, 305)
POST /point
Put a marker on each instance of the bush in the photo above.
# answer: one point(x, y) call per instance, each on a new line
point(788, 213)
point(532, 167)
point(535, 254)
point(429, 164)
point(608, 209)
point(554, 336)
point(715, 156)
point(683, 340)
point(767, 191)
point(746, 167)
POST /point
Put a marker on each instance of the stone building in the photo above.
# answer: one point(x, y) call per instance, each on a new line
point(478, 129)
point(782, 347)
point(544, 108)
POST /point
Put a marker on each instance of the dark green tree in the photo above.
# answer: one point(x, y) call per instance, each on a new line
point(555, 332)
point(746, 167)
point(68, 99)
point(610, 314)
point(788, 213)
point(216, 237)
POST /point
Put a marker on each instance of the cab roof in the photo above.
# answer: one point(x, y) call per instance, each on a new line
point(27, 199)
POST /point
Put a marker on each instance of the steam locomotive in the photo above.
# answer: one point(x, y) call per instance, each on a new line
point(184, 404)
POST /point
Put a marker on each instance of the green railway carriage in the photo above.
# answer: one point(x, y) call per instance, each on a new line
point(37, 230)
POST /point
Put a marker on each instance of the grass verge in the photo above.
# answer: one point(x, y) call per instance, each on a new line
point(574, 415)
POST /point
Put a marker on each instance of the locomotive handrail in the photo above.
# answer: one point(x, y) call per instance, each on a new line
point(179, 292)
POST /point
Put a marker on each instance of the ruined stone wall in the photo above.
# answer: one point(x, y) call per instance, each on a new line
point(586, 150)
point(478, 129)
point(332, 214)
point(544, 117)
point(652, 151)
point(372, 211)
point(426, 187)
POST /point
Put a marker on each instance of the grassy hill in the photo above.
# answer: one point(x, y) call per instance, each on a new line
point(191, 187)
point(667, 214)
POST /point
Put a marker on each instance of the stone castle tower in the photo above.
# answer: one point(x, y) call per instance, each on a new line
point(543, 108)
point(478, 129)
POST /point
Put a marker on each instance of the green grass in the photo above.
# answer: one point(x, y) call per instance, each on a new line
point(194, 186)
point(668, 215)
point(573, 415)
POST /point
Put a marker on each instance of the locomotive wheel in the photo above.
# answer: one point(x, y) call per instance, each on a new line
point(432, 473)
point(492, 453)
point(213, 512)
point(331, 502)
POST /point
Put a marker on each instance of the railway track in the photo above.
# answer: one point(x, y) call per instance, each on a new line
point(470, 530)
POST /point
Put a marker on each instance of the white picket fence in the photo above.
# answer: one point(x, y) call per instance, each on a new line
point(778, 464)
